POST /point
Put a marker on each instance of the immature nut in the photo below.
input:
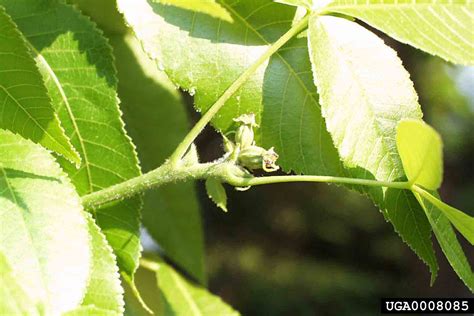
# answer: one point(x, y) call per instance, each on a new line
point(255, 157)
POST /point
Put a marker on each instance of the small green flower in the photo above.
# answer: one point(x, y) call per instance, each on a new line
point(245, 134)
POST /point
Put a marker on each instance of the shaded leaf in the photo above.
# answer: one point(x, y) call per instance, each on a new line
point(78, 69)
point(186, 298)
point(364, 92)
point(44, 233)
point(24, 102)
point(148, 286)
point(443, 28)
point(157, 121)
point(216, 192)
point(420, 149)
point(210, 7)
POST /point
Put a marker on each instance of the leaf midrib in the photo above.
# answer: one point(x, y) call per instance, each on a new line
point(5, 90)
point(58, 84)
point(248, 25)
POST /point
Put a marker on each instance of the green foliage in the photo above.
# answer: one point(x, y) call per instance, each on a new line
point(442, 28)
point(364, 91)
point(216, 192)
point(79, 73)
point(332, 102)
point(210, 7)
point(25, 105)
point(304, 3)
point(103, 276)
point(44, 231)
point(14, 299)
point(185, 298)
point(156, 128)
point(420, 149)
point(421, 153)
point(448, 241)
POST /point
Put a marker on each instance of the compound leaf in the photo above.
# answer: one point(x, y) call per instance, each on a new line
point(443, 28)
point(204, 57)
point(24, 101)
point(420, 150)
point(157, 120)
point(78, 68)
point(364, 92)
point(44, 233)
point(210, 7)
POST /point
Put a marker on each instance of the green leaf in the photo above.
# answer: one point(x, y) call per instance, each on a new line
point(44, 233)
point(420, 149)
point(90, 310)
point(205, 57)
point(186, 298)
point(448, 241)
point(206, 60)
point(78, 69)
point(216, 192)
point(302, 3)
point(443, 28)
point(157, 121)
point(104, 276)
point(24, 102)
point(148, 286)
point(210, 7)
point(364, 92)
point(463, 222)
point(13, 299)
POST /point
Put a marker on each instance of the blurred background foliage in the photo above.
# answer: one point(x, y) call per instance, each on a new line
point(297, 249)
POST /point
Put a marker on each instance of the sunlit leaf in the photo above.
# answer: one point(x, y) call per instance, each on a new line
point(157, 121)
point(77, 65)
point(90, 310)
point(420, 150)
point(364, 92)
point(444, 28)
point(24, 103)
point(43, 233)
point(13, 299)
